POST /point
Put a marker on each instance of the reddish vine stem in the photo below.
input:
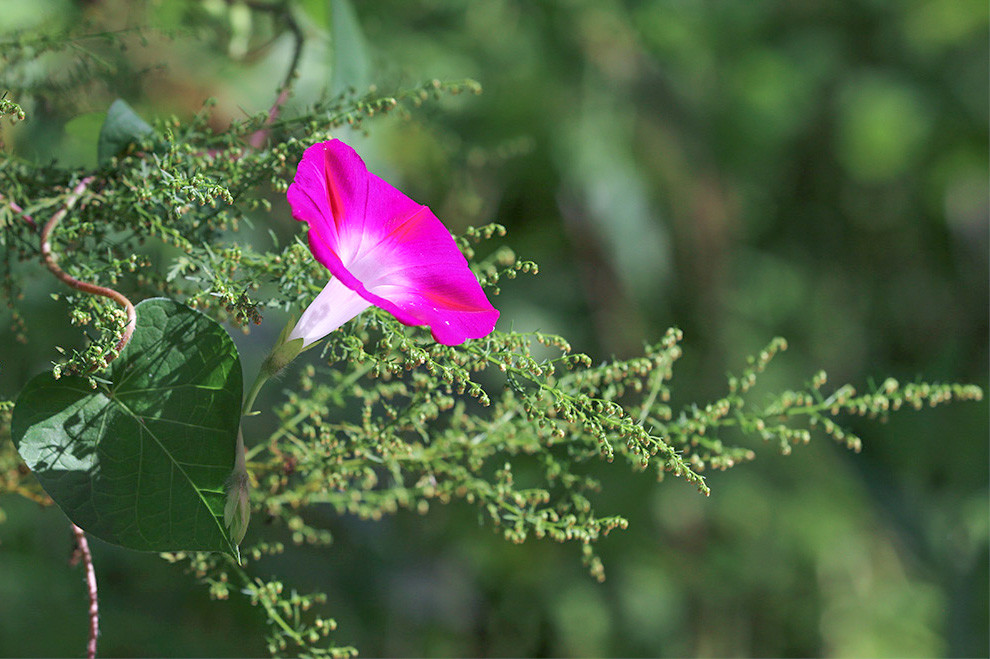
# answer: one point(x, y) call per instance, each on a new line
point(257, 140)
point(282, 10)
point(82, 553)
point(50, 261)
point(14, 206)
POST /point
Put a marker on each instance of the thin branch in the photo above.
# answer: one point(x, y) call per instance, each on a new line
point(654, 392)
point(51, 262)
point(297, 34)
point(257, 588)
point(284, 11)
point(257, 139)
point(82, 553)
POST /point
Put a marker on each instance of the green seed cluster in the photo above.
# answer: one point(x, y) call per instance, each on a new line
point(395, 421)
point(11, 110)
point(294, 627)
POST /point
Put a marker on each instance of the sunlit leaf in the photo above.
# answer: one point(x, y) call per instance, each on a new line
point(142, 459)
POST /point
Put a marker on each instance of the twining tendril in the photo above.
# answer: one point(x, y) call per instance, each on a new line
point(50, 261)
point(284, 12)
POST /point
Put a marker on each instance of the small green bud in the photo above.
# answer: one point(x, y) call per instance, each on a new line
point(281, 355)
point(237, 511)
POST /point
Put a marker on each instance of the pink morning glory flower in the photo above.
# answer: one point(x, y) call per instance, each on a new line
point(382, 248)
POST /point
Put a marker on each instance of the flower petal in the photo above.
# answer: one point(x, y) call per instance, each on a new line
point(335, 305)
point(385, 247)
point(334, 190)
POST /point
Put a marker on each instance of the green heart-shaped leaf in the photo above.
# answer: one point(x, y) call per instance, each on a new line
point(142, 460)
point(121, 128)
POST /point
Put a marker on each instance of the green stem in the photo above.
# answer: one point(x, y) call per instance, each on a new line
point(259, 382)
point(275, 617)
point(289, 425)
point(273, 613)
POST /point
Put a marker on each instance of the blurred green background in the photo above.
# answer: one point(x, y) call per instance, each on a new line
point(817, 170)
